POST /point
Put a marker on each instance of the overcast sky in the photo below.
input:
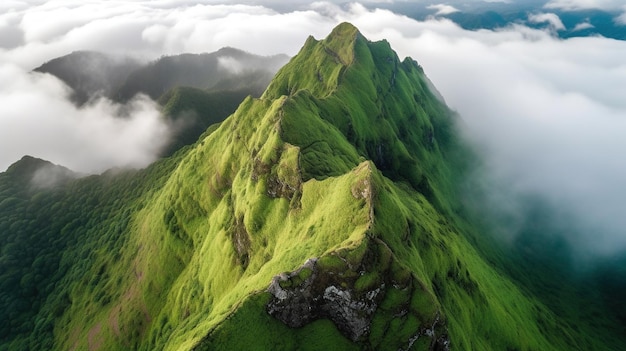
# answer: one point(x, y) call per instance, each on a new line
point(549, 115)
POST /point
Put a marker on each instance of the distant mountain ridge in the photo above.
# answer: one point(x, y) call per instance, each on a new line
point(91, 74)
point(195, 90)
point(588, 19)
point(216, 71)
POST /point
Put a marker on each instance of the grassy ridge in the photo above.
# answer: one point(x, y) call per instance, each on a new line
point(192, 225)
point(415, 214)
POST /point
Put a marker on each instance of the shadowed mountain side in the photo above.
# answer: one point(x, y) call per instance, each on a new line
point(49, 236)
point(191, 111)
point(38, 173)
point(90, 74)
point(225, 69)
point(93, 74)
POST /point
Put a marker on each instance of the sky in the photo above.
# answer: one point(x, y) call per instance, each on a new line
point(547, 115)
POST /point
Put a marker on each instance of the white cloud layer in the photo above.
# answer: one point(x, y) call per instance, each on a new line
point(442, 9)
point(576, 5)
point(551, 19)
point(583, 25)
point(621, 19)
point(37, 119)
point(549, 115)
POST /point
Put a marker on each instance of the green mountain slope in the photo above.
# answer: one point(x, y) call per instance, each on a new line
point(323, 215)
point(50, 235)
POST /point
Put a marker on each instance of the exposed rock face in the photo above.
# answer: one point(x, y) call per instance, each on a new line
point(349, 293)
point(320, 295)
point(241, 242)
point(437, 342)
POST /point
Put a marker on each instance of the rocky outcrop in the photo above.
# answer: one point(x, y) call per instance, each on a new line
point(241, 242)
point(352, 288)
point(437, 342)
point(309, 293)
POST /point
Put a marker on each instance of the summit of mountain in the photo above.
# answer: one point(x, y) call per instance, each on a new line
point(35, 172)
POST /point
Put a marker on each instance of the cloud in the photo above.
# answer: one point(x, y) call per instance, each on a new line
point(11, 35)
point(38, 120)
point(577, 5)
point(50, 175)
point(583, 25)
point(551, 19)
point(621, 19)
point(442, 9)
point(150, 29)
point(230, 64)
point(548, 115)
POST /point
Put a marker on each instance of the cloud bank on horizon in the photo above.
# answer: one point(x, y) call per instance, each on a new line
point(577, 5)
point(547, 114)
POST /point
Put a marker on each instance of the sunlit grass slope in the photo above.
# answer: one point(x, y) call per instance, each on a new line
point(347, 159)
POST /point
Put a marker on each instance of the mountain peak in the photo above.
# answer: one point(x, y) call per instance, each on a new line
point(348, 97)
point(27, 165)
point(344, 28)
point(342, 40)
point(40, 173)
point(320, 64)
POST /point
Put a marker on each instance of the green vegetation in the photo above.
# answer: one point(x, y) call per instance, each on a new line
point(191, 111)
point(51, 237)
point(319, 335)
point(347, 157)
